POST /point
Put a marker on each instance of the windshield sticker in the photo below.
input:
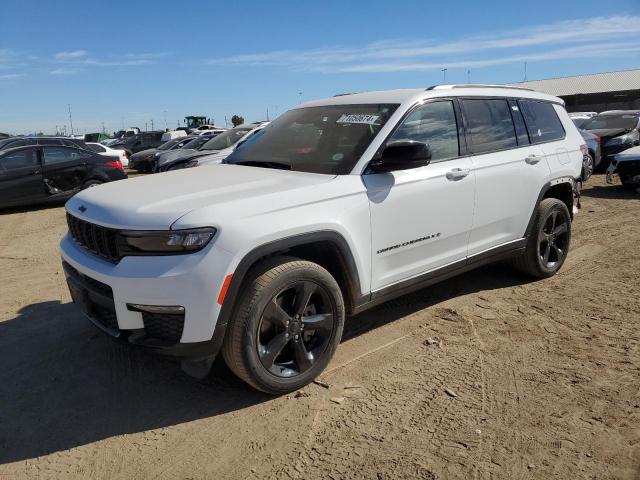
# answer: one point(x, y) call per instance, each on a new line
point(360, 119)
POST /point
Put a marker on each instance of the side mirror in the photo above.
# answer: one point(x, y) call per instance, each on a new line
point(401, 155)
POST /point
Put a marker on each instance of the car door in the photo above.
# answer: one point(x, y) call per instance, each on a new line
point(65, 168)
point(509, 171)
point(21, 176)
point(421, 218)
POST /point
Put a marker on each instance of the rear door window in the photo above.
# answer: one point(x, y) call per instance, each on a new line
point(489, 125)
point(57, 155)
point(542, 121)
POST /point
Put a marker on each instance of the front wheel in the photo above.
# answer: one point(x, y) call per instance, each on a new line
point(287, 325)
point(548, 243)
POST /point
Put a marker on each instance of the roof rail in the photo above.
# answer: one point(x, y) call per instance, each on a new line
point(476, 85)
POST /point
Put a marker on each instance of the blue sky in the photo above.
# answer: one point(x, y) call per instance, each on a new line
point(126, 63)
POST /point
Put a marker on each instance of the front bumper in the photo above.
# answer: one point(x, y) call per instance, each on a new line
point(104, 290)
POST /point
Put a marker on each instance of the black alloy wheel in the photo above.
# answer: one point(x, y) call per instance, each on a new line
point(295, 329)
point(553, 239)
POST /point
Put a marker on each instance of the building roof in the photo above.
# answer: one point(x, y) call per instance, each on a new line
point(593, 83)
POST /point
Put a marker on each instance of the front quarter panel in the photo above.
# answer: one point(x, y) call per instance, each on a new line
point(339, 206)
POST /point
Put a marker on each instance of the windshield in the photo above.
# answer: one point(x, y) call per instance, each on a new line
point(195, 143)
point(226, 139)
point(328, 139)
point(627, 122)
point(169, 144)
point(579, 122)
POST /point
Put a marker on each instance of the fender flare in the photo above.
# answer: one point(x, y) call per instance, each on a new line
point(281, 245)
point(545, 188)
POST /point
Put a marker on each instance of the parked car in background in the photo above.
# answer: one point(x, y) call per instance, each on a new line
point(139, 141)
point(579, 118)
point(173, 134)
point(13, 142)
point(195, 142)
point(46, 173)
point(144, 161)
point(109, 152)
point(339, 205)
point(618, 130)
point(593, 156)
point(4, 135)
point(208, 129)
point(215, 150)
point(626, 165)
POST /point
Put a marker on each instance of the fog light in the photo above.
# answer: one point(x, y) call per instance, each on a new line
point(159, 309)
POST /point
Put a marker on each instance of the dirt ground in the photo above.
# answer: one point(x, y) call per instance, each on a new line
point(487, 375)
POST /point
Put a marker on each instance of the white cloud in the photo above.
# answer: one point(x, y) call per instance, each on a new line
point(397, 55)
point(64, 71)
point(72, 55)
point(11, 76)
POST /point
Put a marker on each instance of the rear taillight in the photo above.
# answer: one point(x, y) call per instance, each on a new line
point(115, 164)
point(584, 149)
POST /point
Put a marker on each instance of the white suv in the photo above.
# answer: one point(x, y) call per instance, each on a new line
point(338, 205)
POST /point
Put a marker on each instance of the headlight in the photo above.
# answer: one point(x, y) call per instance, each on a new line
point(138, 242)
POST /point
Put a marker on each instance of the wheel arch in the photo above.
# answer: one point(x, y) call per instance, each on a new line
point(327, 248)
point(564, 189)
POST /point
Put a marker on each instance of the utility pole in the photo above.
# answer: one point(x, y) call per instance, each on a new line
point(152, 124)
point(525, 72)
point(165, 119)
point(267, 114)
point(70, 119)
point(444, 74)
point(146, 125)
point(300, 97)
point(468, 76)
point(103, 130)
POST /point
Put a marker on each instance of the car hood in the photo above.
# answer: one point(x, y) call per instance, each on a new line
point(632, 153)
point(183, 154)
point(607, 133)
point(157, 201)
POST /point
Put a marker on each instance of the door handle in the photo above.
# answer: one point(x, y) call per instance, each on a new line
point(457, 173)
point(532, 159)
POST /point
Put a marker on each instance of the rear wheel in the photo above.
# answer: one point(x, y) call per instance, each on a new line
point(548, 243)
point(287, 325)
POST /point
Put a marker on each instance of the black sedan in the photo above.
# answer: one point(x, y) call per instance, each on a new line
point(47, 173)
point(144, 161)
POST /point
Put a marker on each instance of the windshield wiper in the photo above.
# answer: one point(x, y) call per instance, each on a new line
point(264, 164)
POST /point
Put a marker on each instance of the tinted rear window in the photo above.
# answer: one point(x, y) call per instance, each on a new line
point(489, 124)
point(542, 121)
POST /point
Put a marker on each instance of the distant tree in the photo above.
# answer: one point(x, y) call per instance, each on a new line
point(237, 120)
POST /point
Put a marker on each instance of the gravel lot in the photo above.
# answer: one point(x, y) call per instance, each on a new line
point(488, 375)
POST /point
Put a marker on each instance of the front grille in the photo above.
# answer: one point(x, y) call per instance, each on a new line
point(90, 282)
point(163, 327)
point(97, 239)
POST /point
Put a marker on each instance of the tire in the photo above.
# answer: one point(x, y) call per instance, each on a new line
point(588, 167)
point(91, 183)
point(275, 342)
point(545, 253)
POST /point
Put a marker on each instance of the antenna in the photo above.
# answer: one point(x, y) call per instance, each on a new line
point(70, 119)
